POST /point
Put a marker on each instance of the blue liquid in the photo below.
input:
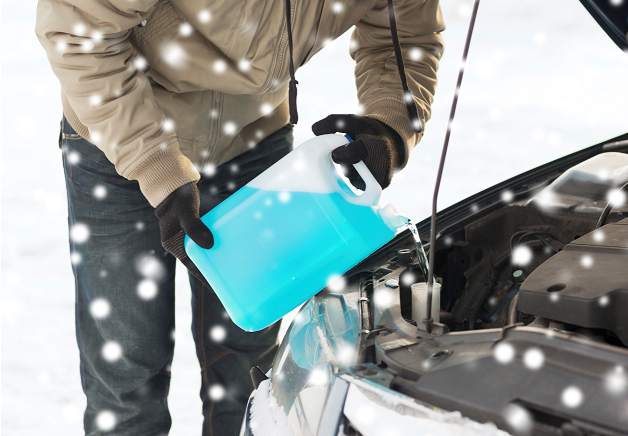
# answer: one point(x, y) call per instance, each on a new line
point(274, 250)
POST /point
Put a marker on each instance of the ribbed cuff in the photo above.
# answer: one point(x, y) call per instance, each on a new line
point(162, 170)
point(393, 112)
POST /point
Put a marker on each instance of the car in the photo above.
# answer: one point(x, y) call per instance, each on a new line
point(532, 335)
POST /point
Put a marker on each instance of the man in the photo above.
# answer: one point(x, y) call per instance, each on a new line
point(155, 91)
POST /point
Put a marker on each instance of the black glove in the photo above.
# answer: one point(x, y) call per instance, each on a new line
point(178, 216)
point(374, 142)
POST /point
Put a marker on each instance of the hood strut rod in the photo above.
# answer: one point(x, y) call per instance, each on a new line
point(430, 281)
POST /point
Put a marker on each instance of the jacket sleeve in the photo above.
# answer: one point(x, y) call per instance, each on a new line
point(419, 26)
point(87, 44)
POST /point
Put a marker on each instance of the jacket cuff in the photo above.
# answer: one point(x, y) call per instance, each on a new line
point(393, 113)
point(162, 170)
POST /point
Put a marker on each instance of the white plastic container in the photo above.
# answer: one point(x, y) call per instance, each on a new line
point(419, 302)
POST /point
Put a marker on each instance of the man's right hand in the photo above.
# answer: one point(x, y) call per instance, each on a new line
point(179, 216)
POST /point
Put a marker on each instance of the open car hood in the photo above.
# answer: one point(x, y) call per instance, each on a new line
point(612, 16)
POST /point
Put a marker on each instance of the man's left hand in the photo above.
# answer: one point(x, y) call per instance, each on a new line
point(374, 142)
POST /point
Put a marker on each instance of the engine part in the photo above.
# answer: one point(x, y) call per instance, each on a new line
point(586, 284)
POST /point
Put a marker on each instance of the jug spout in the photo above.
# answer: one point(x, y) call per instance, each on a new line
point(392, 218)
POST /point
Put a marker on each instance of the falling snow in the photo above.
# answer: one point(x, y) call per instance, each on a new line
point(218, 333)
point(217, 392)
point(266, 109)
point(336, 283)
point(209, 170)
point(106, 420)
point(229, 128)
point(111, 351)
point(244, 65)
point(522, 255)
point(572, 397)
point(337, 7)
point(504, 352)
point(186, 29)
point(616, 380)
point(533, 358)
point(586, 261)
point(100, 308)
point(140, 63)
point(220, 66)
point(79, 233)
point(204, 16)
point(147, 289)
point(168, 125)
point(519, 419)
point(100, 192)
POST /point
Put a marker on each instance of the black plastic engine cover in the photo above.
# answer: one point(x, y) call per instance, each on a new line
point(586, 284)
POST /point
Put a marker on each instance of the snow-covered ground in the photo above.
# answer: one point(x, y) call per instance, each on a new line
point(542, 80)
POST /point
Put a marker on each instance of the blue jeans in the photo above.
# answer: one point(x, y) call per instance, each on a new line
point(124, 283)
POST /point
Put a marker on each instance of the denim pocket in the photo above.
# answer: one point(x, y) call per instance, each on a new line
point(66, 132)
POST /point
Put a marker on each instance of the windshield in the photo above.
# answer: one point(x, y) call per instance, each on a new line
point(542, 80)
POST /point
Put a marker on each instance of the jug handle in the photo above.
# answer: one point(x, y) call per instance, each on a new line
point(372, 192)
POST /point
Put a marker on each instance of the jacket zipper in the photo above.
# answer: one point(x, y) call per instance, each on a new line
point(280, 54)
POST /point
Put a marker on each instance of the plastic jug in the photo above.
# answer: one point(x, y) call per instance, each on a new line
point(281, 238)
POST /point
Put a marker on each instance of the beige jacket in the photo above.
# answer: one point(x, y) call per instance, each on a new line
point(164, 88)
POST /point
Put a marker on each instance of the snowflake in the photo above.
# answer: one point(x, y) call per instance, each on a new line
point(100, 192)
point(149, 266)
point(336, 283)
point(231, 185)
point(216, 392)
point(96, 136)
point(507, 196)
point(284, 197)
point(504, 353)
point(174, 55)
point(95, 100)
point(111, 351)
point(266, 109)
point(616, 381)
point(353, 44)
point(337, 7)
point(102, 274)
point(220, 66)
point(340, 124)
point(218, 333)
point(572, 397)
point(100, 308)
point(139, 225)
point(209, 170)
point(79, 29)
point(475, 208)
point(204, 16)
point(360, 109)
point(140, 63)
point(318, 377)
point(519, 419)
point(244, 65)
point(168, 125)
point(415, 54)
point(603, 301)
point(522, 255)
point(383, 299)
point(586, 261)
point(97, 35)
point(79, 233)
point(229, 128)
point(87, 45)
point(533, 358)
point(147, 289)
point(539, 38)
point(186, 29)
point(106, 420)
point(616, 197)
point(259, 134)
point(62, 46)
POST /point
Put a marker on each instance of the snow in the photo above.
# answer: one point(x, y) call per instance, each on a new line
point(267, 418)
point(521, 104)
